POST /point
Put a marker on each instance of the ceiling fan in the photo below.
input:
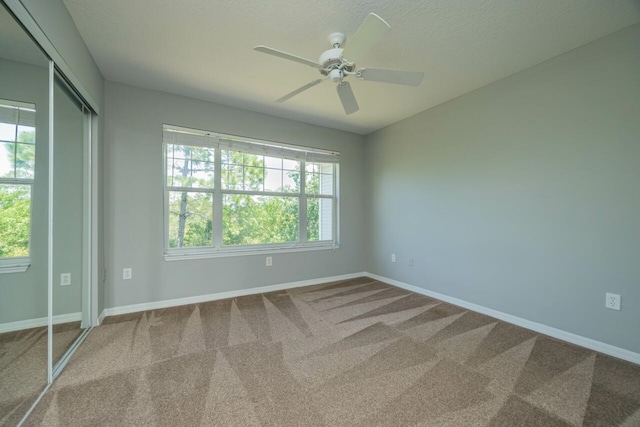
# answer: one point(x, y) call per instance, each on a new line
point(337, 63)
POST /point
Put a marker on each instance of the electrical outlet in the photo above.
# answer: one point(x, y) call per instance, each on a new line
point(127, 273)
point(612, 301)
point(393, 257)
point(65, 279)
point(269, 261)
point(410, 261)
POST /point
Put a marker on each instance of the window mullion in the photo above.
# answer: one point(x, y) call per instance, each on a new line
point(302, 204)
point(217, 198)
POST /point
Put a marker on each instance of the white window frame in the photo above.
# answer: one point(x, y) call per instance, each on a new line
point(19, 264)
point(220, 141)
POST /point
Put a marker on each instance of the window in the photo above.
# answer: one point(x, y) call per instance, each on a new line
point(17, 171)
point(227, 195)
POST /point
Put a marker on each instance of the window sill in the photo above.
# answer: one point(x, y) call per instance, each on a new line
point(14, 268)
point(185, 256)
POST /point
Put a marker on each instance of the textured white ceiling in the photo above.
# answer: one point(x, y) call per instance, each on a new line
point(203, 48)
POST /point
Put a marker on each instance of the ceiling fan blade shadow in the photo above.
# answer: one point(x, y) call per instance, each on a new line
point(372, 30)
point(347, 98)
point(275, 52)
point(300, 89)
point(399, 77)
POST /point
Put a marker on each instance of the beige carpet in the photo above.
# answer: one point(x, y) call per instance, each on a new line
point(352, 353)
point(23, 366)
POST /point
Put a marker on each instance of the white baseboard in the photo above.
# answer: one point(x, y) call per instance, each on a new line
point(101, 317)
point(40, 321)
point(589, 343)
point(134, 308)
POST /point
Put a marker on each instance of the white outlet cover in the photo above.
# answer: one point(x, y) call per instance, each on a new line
point(393, 257)
point(612, 301)
point(269, 261)
point(126, 273)
point(65, 279)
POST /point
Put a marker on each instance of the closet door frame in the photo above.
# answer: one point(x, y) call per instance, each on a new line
point(55, 75)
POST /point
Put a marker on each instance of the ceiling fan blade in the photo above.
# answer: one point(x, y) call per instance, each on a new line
point(300, 89)
point(285, 55)
point(372, 30)
point(399, 77)
point(347, 98)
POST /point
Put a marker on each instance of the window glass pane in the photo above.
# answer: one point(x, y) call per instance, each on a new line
point(226, 156)
point(251, 172)
point(7, 156)
point(232, 177)
point(252, 219)
point(7, 132)
point(253, 178)
point(25, 160)
point(190, 166)
point(15, 220)
point(291, 165)
point(310, 167)
point(273, 162)
point(27, 134)
point(190, 219)
point(319, 178)
point(273, 180)
point(291, 182)
point(319, 219)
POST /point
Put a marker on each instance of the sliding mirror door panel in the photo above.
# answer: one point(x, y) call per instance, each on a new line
point(69, 213)
point(24, 124)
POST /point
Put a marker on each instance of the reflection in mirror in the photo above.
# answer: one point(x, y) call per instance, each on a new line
point(69, 211)
point(24, 100)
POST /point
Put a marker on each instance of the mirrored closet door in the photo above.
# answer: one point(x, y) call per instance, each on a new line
point(45, 219)
point(24, 136)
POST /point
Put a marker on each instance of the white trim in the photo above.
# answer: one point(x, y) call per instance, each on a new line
point(38, 322)
point(134, 308)
point(62, 362)
point(589, 343)
point(87, 217)
point(177, 256)
point(33, 406)
point(242, 140)
point(50, 226)
point(9, 103)
point(95, 229)
point(101, 317)
point(14, 268)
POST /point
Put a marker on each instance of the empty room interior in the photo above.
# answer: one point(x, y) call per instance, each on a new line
point(349, 213)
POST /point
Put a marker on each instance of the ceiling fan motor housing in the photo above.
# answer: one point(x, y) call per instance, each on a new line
point(332, 60)
point(331, 57)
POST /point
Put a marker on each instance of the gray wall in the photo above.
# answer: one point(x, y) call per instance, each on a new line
point(522, 196)
point(134, 200)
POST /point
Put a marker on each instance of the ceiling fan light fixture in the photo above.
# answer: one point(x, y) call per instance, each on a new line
point(336, 75)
